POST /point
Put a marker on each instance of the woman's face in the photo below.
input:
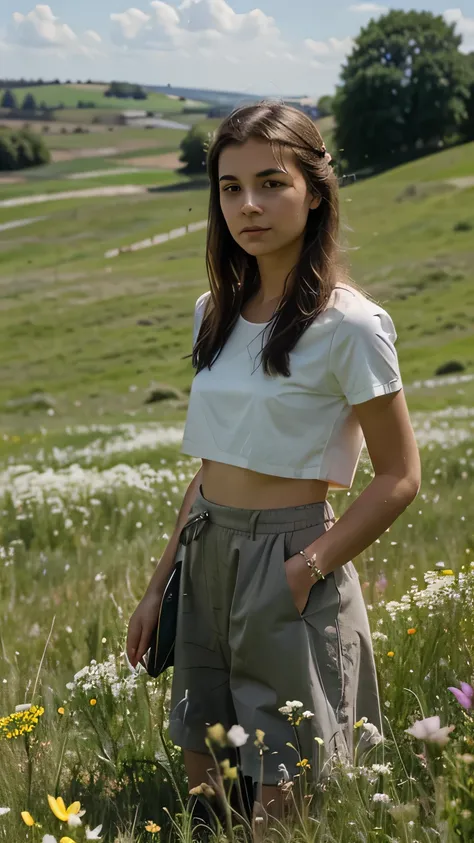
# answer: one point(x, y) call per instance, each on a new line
point(256, 192)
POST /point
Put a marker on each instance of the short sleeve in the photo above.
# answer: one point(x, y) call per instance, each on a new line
point(363, 357)
point(198, 314)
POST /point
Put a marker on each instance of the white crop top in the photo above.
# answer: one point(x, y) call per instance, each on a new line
point(302, 426)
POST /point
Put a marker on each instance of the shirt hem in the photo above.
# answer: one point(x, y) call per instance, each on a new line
point(376, 390)
point(187, 447)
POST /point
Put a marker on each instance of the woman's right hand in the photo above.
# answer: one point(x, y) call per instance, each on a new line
point(141, 625)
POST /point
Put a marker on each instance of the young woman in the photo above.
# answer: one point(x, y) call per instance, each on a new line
point(271, 607)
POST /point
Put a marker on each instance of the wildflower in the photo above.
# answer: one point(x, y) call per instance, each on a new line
point(4, 811)
point(203, 789)
point(66, 840)
point(237, 736)
point(382, 768)
point(390, 653)
point(61, 710)
point(217, 734)
point(465, 696)
point(94, 833)
point(447, 572)
point(411, 631)
point(70, 815)
point(284, 773)
point(319, 740)
point(429, 730)
point(307, 714)
point(304, 763)
point(48, 838)
point(24, 719)
point(27, 818)
point(227, 771)
point(360, 722)
point(93, 702)
point(380, 797)
point(152, 827)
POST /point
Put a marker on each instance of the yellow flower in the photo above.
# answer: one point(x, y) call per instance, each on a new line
point(66, 840)
point(447, 572)
point(203, 790)
point(304, 763)
point(59, 809)
point(27, 818)
point(360, 722)
point(152, 827)
point(260, 736)
point(93, 702)
point(217, 734)
point(390, 653)
point(411, 631)
point(61, 710)
point(227, 771)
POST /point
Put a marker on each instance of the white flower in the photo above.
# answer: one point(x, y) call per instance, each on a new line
point(373, 733)
point(24, 707)
point(430, 730)
point(380, 797)
point(94, 834)
point(48, 838)
point(308, 714)
point(284, 772)
point(294, 703)
point(237, 736)
point(285, 709)
point(4, 811)
point(74, 820)
point(382, 768)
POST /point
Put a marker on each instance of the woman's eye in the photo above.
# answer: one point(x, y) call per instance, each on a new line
point(233, 188)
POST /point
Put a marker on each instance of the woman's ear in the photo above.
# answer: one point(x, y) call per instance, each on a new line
point(315, 202)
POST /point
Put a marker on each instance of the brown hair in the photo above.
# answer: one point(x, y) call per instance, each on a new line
point(233, 273)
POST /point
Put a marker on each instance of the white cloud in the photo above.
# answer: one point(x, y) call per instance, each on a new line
point(370, 8)
point(194, 23)
point(332, 48)
point(40, 28)
point(464, 27)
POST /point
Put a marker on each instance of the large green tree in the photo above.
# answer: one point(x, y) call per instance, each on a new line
point(404, 90)
point(468, 125)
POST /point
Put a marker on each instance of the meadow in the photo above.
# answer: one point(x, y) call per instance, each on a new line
point(91, 481)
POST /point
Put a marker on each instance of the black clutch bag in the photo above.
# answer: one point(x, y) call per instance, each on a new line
point(160, 652)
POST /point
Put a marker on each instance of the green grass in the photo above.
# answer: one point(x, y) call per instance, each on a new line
point(119, 135)
point(69, 95)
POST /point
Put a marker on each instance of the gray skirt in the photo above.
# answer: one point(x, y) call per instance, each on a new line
point(243, 650)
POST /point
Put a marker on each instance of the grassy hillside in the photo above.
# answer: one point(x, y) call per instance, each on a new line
point(68, 95)
point(68, 318)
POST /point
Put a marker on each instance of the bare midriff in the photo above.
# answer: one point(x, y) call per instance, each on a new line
point(229, 485)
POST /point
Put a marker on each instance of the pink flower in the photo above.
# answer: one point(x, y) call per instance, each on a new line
point(465, 696)
point(430, 730)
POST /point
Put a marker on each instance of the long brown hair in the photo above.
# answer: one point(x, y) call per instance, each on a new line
point(233, 273)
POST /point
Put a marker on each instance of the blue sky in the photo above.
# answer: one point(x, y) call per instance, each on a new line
point(278, 47)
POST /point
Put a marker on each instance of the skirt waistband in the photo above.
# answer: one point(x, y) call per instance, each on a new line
point(253, 521)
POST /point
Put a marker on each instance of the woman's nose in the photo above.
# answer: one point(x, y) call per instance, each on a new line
point(250, 205)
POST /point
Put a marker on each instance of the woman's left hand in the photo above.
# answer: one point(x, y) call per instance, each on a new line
point(299, 580)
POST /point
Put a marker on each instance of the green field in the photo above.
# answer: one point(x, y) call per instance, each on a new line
point(69, 95)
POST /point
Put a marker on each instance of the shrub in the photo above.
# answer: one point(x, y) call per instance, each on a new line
point(20, 149)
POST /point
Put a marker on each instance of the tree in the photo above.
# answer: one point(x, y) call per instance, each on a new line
point(19, 149)
point(29, 103)
point(193, 150)
point(404, 90)
point(324, 105)
point(9, 100)
point(468, 125)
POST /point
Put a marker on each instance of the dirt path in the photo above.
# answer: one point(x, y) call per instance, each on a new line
point(87, 193)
